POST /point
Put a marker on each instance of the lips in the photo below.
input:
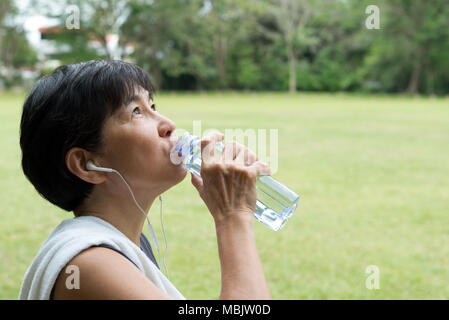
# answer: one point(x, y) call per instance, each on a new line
point(173, 140)
point(175, 156)
point(172, 146)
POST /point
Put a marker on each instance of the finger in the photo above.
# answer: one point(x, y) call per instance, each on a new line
point(196, 181)
point(260, 168)
point(245, 156)
point(208, 146)
point(217, 135)
point(229, 152)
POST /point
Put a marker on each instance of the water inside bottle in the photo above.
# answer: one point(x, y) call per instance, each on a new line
point(274, 205)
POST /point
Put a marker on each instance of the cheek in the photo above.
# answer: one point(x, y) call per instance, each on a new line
point(139, 152)
point(149, 153)
point(130, 151)
point(146, 151)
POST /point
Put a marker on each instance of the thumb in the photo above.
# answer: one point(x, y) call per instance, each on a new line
point(196, 181)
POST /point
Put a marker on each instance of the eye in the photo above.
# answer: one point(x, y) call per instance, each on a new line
point(136, 108)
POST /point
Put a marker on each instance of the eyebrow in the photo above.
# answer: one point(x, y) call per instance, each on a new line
point(136, 97)
point(131, 99)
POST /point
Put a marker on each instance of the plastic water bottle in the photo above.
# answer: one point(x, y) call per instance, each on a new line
point(275, 202)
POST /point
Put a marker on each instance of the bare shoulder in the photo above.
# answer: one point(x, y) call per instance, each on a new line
point(102, 273)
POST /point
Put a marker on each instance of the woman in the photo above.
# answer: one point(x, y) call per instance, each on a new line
point(103, 112)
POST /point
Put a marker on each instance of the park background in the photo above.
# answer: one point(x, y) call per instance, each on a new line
point(362, 118)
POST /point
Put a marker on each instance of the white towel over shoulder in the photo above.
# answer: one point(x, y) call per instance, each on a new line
point(68, 240)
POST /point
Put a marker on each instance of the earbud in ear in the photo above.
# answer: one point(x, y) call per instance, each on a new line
point(90, 166)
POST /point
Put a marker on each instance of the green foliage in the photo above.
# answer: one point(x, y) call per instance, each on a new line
point(16, 52)
point(408, 53)
point(272, 45)
point(248, 75)
point(73, 46)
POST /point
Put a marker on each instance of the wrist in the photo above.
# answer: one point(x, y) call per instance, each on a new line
point(237, 220)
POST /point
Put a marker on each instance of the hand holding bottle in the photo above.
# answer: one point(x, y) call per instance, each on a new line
point(275, 201)
point(227, 184)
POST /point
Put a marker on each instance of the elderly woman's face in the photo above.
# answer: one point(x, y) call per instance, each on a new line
point(138, 140)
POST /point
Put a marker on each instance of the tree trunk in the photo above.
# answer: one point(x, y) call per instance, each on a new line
point(4, 6)
point(104, 43)
point(292, 70)
point(220, 45)
point(156, 74)
point(414, 80)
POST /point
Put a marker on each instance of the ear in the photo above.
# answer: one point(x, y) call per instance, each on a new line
point(76, 162)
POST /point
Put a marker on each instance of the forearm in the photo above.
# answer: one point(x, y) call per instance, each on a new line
point(242, 275)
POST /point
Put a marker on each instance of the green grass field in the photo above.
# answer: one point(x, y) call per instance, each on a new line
point(373, 177)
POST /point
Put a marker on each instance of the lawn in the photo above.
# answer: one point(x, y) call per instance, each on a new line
point(372, 173)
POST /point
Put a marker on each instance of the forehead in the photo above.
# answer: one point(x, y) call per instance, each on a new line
point(139, 93)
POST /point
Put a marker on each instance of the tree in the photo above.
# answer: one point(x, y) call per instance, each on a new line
point(5, 7)
point(292, 17)
point(411, 46)
point(15, 50)
point(228, 22)
point(267, 44)
point(99, 19)
point(169, 40)
point(18, 52)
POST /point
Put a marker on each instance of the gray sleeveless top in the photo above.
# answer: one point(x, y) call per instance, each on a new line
point(145, 246)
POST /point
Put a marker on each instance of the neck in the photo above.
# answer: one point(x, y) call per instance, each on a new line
point(118, 209)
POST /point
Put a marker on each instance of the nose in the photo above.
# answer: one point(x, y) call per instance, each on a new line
point(166, 127)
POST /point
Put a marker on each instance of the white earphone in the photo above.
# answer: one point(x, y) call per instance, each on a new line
point(90, 166)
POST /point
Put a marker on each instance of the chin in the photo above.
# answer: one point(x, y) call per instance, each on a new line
point(182, 173)
point(176, 180)
point(178, 175)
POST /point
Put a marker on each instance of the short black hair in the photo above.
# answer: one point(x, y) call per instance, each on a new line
point(68, 109)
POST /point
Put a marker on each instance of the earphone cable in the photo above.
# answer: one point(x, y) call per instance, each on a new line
point(153, 234)
point(165, 238)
